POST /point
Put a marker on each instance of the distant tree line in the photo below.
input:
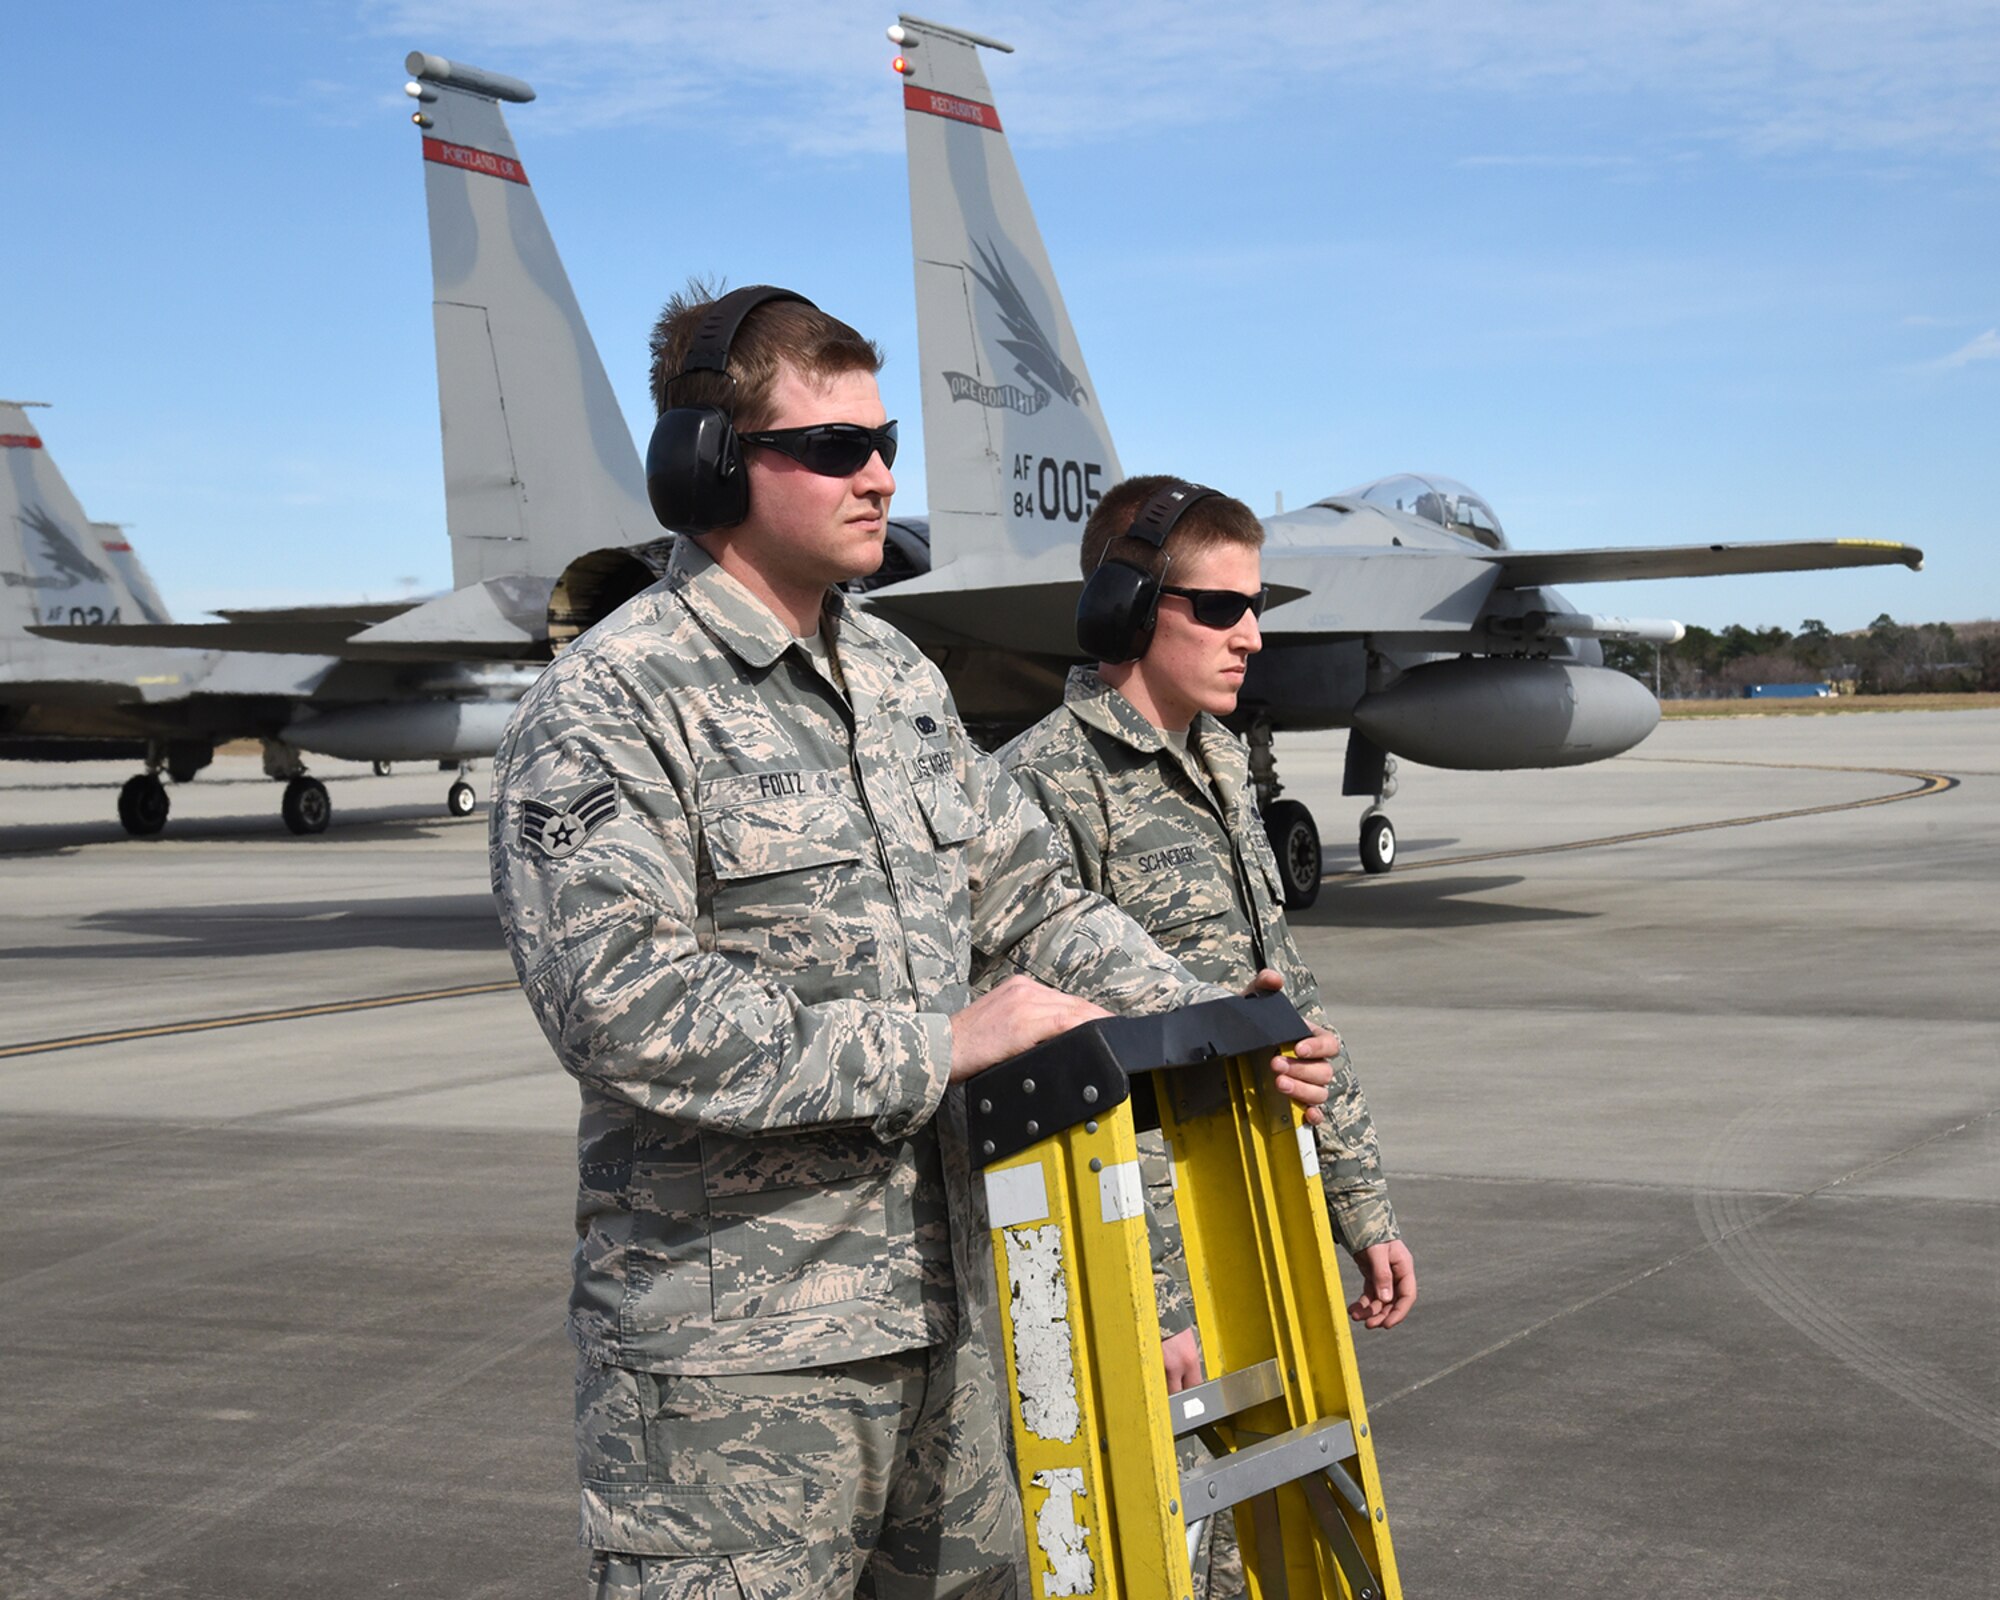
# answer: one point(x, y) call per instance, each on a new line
point(1886, 657)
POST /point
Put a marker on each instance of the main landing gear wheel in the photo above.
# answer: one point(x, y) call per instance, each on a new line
point(460, 799)
point(142, 805)
point(1378, 843)
point(1295, 841)
point(306, 808)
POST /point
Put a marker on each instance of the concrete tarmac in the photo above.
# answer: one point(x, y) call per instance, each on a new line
point(1692, 1134)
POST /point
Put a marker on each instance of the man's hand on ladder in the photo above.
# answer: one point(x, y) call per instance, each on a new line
point(1302, 1075)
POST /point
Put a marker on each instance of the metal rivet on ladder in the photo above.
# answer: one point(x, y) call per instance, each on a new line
point(1173, 1508)
point(1090, 1127)
point(987, 1148)
point(1212, 1490)
point(1364, 1430)
point(1034, 1130)
point(1027, 1086)
point(1090, 1094)
point(1096, 1165)
point(986, 1108)
point(1378, 1513)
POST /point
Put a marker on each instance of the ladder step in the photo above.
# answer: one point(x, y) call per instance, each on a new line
point(1209, 1486)
point(1208, 1403)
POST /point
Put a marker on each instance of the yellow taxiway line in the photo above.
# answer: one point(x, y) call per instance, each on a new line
point(1925, 783)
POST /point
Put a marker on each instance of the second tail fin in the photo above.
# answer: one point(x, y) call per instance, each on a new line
point(57, 567)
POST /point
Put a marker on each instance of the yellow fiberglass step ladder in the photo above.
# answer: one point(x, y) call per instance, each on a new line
point(1109, 1511)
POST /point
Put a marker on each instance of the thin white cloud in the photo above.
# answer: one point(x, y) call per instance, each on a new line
point(1767, 75)
point(1579, 163)
point(1984, 348)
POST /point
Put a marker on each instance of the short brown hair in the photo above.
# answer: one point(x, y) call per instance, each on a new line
point(800, 336)
point(1213, 520)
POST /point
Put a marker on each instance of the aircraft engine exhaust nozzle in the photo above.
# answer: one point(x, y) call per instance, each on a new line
point(422, 730)
point(1494, 714)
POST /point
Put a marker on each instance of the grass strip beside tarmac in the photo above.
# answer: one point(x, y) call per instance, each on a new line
point(1835, 706)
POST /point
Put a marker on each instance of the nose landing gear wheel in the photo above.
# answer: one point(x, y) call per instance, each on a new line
point(1378, 843)
point(460, 799)
point(1295, 842)
point(142, 805)
point(306, 807)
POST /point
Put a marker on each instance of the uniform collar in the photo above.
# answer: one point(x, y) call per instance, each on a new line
point(744, 625)
point(1090, 699)
point(1211, 746)
point(1094, 702)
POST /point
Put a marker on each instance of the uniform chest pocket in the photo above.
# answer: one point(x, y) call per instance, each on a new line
point(795, 873)
point(1170, 882)
point(793, 833)
point(947, 812)
point(1259, 849)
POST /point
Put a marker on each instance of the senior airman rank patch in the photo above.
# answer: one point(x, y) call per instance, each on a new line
point(559, 832)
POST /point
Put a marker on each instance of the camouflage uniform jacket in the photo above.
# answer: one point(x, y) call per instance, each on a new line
point(1190, 861)
point(743, 904)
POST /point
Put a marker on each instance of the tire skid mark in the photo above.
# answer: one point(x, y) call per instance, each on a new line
point(1752, 1258)
point(1744, 1220)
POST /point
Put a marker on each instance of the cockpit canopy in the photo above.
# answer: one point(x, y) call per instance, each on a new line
point(1445, 501)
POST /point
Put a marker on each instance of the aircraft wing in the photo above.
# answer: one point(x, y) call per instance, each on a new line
point(363, 613)
point(498, 620)
point(1523, 569)
point(284, 630)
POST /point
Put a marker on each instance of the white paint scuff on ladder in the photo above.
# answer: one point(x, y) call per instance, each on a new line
point(1061, 1538)
point(1044, 1367)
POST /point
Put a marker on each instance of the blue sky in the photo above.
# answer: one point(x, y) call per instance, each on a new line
point(1639, 274)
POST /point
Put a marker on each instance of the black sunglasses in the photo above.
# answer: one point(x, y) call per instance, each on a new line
point(1220, 608)
point(832, 449)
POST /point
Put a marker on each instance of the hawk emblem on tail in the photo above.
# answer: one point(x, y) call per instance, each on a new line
point(1033, 351)
point(559, 831)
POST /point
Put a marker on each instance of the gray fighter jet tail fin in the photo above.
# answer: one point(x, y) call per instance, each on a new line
point(147, 606)
point(539, 465)
point(1016, 447)
point(57, 567)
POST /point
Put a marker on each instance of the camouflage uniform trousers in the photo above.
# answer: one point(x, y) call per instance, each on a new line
point(891, 1475)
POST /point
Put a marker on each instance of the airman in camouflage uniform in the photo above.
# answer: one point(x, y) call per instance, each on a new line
point(743, 870)
point(1173, 836)
point(1156, 797)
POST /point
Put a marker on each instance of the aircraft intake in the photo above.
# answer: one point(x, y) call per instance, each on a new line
point(418, 730)
point(1489, 713)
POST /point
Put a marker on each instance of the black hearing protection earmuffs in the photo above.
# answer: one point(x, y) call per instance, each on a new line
point(694, 466)
point(1121, 599)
